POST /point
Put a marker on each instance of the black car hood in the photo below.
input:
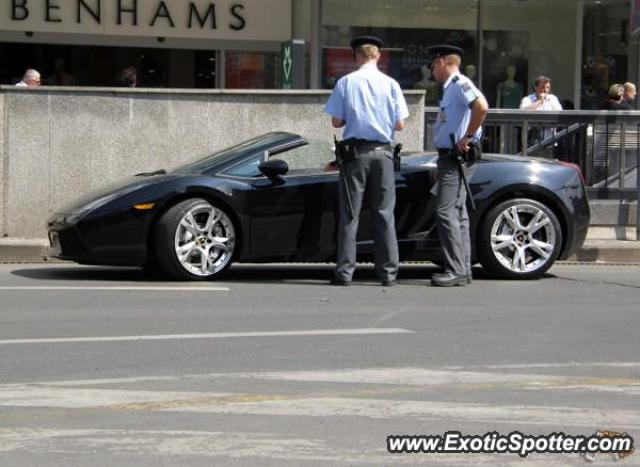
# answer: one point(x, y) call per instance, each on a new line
point(120, 187)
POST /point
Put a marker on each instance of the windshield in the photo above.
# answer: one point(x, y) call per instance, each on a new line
point(251, 146)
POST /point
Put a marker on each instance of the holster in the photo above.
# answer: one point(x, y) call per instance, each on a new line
point(346, 150)
point(469, 157)
point(474, 153)
point(396, 157)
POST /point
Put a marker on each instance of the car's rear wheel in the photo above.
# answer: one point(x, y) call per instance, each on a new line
point(195, 240)
point(519, 239)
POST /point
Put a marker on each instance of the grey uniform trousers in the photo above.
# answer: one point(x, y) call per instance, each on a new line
point(373, 171)
point(452, 217)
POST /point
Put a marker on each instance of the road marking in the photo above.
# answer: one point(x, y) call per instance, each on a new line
point(78, 398)
point(316, 406)
point(119, 288)
point(464, 379)
point(514, 366)
point(226, 448)
point(418, 377)
point(511, 415)
point(215, 335)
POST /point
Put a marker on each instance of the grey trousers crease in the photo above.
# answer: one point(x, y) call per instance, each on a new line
point(452, 216)
point(373, 172)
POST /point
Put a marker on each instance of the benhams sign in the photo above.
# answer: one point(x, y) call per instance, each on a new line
point(221, 19)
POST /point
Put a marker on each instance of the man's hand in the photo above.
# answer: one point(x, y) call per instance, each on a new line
point(331, 166)
point(337, 122)
point(463, 144)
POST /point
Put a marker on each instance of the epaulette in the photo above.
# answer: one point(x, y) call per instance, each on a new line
point(463, 83)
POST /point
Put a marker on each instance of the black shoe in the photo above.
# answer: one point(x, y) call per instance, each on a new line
point(449, 279)
point(389, 282)
point(341, 282)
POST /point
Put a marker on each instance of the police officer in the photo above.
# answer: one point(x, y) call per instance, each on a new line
point(463, 109)
point(371, 107)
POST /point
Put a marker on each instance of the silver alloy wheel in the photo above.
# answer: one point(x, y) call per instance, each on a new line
point(523, 238)
point(205, 240)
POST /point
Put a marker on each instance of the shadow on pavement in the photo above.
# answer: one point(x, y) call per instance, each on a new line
point(84, 273)
point(240, 273)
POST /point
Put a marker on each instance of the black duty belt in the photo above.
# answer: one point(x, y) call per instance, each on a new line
point(444, 152)
point(366, 144)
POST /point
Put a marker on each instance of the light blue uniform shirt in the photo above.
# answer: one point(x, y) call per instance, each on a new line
point(370, 102)
point(455, 113)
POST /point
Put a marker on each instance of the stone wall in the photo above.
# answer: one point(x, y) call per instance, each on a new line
point(59, 143)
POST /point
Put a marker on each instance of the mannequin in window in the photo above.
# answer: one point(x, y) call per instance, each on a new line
point(470, 72)
point(509, 91)
point(429, 85)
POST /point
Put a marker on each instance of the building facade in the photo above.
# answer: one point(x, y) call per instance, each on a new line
point(583, 45)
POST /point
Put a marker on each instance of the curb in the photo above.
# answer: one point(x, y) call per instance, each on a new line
point(608, 251)
point(23, 251)
point(600, 251)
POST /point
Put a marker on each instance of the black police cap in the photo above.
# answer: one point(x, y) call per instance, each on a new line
point(443, 50)
point(362, 40)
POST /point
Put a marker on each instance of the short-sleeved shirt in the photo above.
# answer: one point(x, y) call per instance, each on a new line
point(370, 102)
point(551, 102)
point(459, 93)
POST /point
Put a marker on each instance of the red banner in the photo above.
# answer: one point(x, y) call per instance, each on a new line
point(340, 62)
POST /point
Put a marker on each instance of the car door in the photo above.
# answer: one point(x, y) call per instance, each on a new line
point(415, 206)
point(296, 217)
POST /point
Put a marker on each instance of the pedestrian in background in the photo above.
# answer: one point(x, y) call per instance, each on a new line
point(541, 98)
point(371, 108)
point(615, 98)
point(30, 79)
point(458, 130)
point(128, 77)
point(629, 98)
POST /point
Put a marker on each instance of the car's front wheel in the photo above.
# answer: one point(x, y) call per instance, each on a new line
point(519, 239)
point(195, 240)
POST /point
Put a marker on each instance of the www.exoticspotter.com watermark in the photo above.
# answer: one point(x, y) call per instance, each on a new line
point(513, 443)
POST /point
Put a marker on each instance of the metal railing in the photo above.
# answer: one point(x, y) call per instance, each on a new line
point(604, 144)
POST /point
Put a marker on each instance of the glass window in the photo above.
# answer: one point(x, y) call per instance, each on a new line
point(205, 69)
point(314, 155)
point(250, 70)
point(79, 65)
point(407, 28)
point(505, 75)
point(246, 169)
point(605, 52)
point(525, 39)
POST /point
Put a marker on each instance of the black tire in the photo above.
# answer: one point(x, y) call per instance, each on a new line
point(526, 252)
point(207, 250)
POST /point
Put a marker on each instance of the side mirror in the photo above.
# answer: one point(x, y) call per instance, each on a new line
point(274, 169)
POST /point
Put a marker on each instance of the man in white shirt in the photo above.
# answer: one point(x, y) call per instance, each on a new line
point(541, 99)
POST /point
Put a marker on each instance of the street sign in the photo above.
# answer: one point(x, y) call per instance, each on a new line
point(292, 64)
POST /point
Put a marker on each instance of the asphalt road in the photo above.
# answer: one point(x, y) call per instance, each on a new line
point(272, 367)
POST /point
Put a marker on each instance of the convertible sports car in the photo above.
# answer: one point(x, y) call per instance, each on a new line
point(252, 203)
